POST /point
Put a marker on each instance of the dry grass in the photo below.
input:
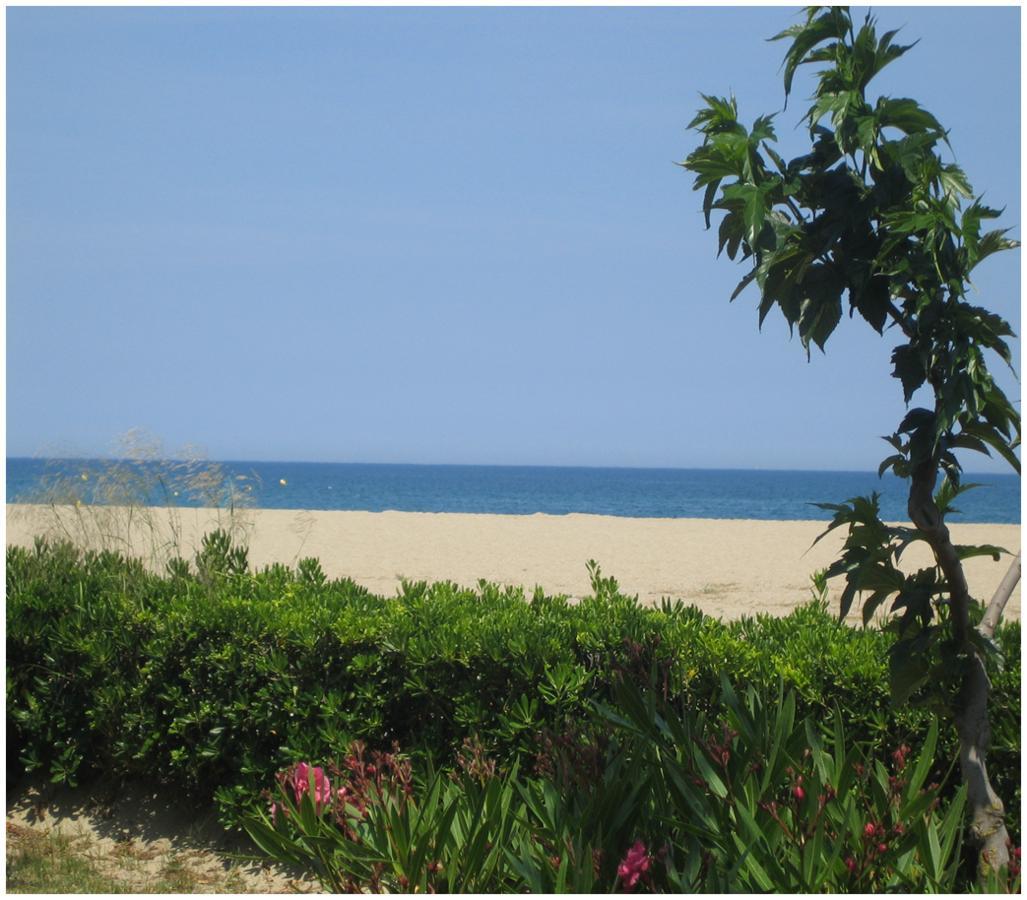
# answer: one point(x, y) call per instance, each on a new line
point(41, 861)
point(132, 501)
point(127, 838)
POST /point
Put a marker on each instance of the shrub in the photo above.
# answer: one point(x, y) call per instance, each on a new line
point(214, 678)
point(756, 801)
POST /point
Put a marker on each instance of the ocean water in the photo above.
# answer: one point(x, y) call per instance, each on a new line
point(662, 493)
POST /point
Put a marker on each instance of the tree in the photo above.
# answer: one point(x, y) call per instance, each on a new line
point(874, 214)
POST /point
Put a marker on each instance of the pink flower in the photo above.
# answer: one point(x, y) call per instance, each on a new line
point(634, 865)
point(899, 757)
point(301, 784)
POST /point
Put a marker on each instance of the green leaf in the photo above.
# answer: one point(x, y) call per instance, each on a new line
point(954, 183)
point(872, 301)
point(917, 419)
point(745, 845)
point(890, 462)
point(719, 116)
point(817, 320)
point(743, 284)
point(970, 228)
point(762, 130)
point(907, 671)
point(995, 440)
point(924, 760)
point(907, 116)
point(993, 242)
point(871, 604)
point(909, 369)
point(708, 198)
point(275, 845)
point(834, 23)
point(887, 52)
point(948, 492)
point(754, 207)
point(714, 781)
point(730, 235)
point(969, 442)
point(968, 551)
point(951, 829)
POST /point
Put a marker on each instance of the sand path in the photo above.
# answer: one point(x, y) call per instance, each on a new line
point(140, 836)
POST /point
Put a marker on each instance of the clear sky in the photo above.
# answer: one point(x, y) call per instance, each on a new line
point(436, 235)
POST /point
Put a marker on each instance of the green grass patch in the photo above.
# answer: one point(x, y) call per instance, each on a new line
point(44, 862)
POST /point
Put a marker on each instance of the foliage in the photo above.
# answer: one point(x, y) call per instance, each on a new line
point(876, 214)
point(786, 805)
point(873, 213)
point(666, 801)
point(214, 683)
point(925, 652)
point(368, 827)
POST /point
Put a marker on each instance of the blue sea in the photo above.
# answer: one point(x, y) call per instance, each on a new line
point(662, 493)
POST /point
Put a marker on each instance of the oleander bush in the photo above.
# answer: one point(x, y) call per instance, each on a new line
point(668, 800)
point(211, 678)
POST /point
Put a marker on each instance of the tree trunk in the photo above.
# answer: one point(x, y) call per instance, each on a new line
point(993, 614)
point(987, 825)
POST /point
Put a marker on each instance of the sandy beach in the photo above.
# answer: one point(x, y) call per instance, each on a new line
point(728, 568)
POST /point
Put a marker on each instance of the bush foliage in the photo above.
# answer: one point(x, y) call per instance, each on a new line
point(212, 678)
point(659, 800)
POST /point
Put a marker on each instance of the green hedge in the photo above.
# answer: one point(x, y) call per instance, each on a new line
point(211, 681)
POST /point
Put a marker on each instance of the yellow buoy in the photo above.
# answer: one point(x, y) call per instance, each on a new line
point(282, 482)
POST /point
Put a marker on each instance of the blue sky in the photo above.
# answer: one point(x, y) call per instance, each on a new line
point(436, 235)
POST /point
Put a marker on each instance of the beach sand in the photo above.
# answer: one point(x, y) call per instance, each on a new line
point(726, 567)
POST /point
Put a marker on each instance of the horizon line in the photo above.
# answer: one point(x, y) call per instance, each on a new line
point(172, 459)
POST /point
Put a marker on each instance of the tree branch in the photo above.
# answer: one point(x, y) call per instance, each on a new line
point(998, 602)
point(924, 513)
point(795, 211)
point(900, 320)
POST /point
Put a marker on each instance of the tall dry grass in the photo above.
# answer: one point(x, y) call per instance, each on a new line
point(134, 499)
